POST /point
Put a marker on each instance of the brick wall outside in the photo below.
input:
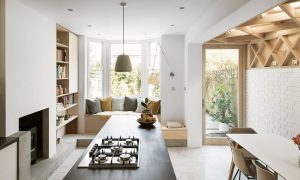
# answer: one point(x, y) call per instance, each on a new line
point(273, 101)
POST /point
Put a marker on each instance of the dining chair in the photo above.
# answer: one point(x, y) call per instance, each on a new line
point(243, 164)
point(247, 155)
point(263, 173)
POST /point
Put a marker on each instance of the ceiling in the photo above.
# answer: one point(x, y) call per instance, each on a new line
point(144, 19)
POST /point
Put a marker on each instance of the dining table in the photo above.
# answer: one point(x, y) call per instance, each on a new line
point(279, 153)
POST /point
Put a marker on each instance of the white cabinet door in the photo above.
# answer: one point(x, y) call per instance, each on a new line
point(73, 66)
point(9, 164)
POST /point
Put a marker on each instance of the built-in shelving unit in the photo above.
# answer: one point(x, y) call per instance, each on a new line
point(66, 82)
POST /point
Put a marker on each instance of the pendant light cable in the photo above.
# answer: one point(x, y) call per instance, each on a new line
point(123, 4)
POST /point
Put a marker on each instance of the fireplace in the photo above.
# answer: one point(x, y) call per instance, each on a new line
point(37, 124)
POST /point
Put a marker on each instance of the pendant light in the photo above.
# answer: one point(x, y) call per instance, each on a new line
point(123, 63)
point(152, 78)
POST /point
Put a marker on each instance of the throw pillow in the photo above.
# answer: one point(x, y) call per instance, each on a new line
point(118, 103)
point(140, 108)
point(130, 103)
point(92, 107)
point(154, 107)
point(106, 104)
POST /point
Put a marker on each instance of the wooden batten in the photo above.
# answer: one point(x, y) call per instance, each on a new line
point(272, 38)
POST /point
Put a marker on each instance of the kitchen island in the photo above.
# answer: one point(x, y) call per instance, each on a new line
point(155, 163)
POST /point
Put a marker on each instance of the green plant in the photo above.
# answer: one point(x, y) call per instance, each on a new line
point(221, 108)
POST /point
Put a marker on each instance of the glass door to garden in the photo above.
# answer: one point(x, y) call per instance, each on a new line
point(222, 87)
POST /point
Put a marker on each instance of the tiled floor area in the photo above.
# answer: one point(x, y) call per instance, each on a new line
point(206, 163)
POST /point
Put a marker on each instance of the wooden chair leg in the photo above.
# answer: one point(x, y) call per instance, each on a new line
point(231, 170)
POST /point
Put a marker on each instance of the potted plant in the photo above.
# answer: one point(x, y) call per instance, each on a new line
point(222, 108)
point(147, 116)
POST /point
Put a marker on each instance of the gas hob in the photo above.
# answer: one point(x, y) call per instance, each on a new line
point(112, 153)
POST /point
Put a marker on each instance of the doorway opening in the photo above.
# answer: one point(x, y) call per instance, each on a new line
point(222, 91)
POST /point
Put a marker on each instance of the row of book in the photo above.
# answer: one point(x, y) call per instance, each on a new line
point(61, 71)
point(61, 55)
point(66, 100)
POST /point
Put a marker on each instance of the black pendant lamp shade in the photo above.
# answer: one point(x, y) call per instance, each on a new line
point(123, 63)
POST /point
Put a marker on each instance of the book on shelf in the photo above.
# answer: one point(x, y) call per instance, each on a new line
point(61, 55)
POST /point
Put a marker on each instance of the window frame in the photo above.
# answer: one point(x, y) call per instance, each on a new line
point(106, 62)
point(88, 65)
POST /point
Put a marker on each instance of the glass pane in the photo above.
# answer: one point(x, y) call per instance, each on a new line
point(154, 67)
point(126, 83)
point(94, 69)
point(221, 89)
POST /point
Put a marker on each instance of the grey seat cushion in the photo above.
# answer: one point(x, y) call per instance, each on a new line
point(92, 107)
point(130, 103)
point(118, 103)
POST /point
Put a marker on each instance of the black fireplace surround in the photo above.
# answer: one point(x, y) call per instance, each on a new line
point(34, 123)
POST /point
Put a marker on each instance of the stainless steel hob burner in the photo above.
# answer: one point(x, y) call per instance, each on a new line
point(113, 153)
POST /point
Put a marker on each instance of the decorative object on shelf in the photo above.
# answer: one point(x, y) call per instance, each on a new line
point(123, 63)
point(295, 62)
point(61, 71)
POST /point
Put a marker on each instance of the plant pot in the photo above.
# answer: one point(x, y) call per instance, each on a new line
point(223, 127)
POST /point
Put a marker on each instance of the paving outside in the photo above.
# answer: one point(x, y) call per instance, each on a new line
point(212, 128)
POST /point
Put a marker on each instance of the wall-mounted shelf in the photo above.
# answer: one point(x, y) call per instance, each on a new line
point(67, 108)
point(61, 45)
point(65, 122)
point(60, 79)
point(62, 62)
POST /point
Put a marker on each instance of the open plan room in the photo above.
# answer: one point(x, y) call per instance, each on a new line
point(150, 89)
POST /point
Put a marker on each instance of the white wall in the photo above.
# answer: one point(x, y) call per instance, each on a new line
point(273, 101)
point(2, 68)
point(221, 17)
point(30, 66)
point(172, 88)
point(82, 82)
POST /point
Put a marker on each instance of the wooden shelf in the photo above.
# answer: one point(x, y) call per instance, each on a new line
point(61, 45)
point(67, 108)
point(65, 122)
point(62, 95)
point(62, 62)
point(59, 79)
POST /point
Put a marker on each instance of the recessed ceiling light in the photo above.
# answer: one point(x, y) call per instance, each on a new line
point(71, 10)
point(172, 25)
point(181, 7)
point(89, 25)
